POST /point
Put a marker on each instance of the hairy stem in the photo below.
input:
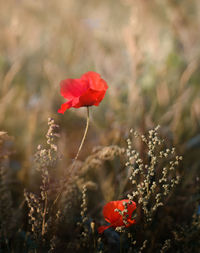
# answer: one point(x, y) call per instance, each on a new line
point(76, 157)
point(84, 136)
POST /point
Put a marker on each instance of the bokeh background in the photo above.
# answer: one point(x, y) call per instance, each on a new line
point(148, 51)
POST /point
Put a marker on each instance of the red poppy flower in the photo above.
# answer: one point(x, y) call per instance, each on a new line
point(114, 217)
point(88, 90)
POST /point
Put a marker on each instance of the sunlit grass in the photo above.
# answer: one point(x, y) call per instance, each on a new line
point(149, 54)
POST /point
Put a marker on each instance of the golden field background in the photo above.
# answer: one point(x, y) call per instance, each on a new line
point(147, 51)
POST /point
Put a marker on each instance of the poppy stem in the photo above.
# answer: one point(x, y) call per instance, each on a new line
point(76, 157)
point(84, 136)
point(120, 243)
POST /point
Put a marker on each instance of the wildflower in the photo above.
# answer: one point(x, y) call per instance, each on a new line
point(88, 90)
point(118, 213)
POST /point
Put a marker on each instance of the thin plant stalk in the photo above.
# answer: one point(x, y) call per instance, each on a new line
point(84, 136)
point(44, 215)
point(79, 150)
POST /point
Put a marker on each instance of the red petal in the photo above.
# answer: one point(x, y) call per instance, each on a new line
point(95, 81)
point(91, 97)
point(71, 103)
point(114, 217)
point(109, 212)
point(101, 229)
point(130, 222)
point(65, 106)
point(70, 88)
point(89, 90)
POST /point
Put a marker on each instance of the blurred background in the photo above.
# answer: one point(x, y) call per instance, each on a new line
point(147, 51)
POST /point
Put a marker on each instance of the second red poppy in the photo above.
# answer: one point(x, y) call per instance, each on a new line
point(114, 217)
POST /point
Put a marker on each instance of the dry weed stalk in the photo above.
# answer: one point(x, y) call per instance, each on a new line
point(154, 181)
point(7, 221)
point(100, 155)
point(187, 237)
point(166, 246)
point(39, 206)
point(84, 220)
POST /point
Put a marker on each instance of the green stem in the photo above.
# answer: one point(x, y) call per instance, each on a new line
point(85, 133)
point(79, 150)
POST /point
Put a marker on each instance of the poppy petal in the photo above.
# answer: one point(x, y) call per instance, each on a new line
point(95, 81)
point(89, 90)
point(91, 97)
point(71, 103)
point(71, 88)
point(101, 229)
point(109, 212)
point(130, 222)
point(65, 106)
point(114, 217)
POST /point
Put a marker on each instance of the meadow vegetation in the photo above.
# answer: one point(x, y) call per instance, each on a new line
point(143, 141)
